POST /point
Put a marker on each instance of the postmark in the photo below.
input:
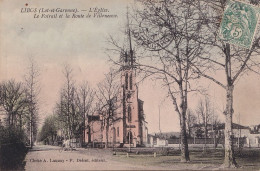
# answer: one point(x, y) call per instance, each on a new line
point(239, 23)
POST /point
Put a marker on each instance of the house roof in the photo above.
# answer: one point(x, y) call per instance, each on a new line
point(237, 126)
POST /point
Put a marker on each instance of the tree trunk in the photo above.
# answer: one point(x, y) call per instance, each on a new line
point(107, 128)
point(102, 130)
point(21, 124)
point(216, 140)
point(9, 119)
point(31, 134)
point(12, 122)
point(206, 133)
point(229, 160)
point(84, 120)
point(84, 131)
point(184, 142)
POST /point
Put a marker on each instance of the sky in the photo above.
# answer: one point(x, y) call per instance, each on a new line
point(81, 43)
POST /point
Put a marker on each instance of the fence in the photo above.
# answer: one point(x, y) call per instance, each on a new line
point(206, 141)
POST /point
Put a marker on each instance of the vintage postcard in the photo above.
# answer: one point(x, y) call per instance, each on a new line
point(129, 85)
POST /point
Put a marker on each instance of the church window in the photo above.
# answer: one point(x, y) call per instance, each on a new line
point(129, 111)
point(126, 81)
point(126, 57)
point(131, 82)
point(129, 95)
point(118, 131)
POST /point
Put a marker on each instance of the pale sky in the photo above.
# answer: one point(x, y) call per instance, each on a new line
point(81, 43)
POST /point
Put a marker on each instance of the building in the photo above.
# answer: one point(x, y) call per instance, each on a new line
point(198, 130)
point(94, 131)
point(129, 125)
point(255, 129)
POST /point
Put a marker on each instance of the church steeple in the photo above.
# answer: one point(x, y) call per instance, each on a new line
point(129, 89)
point(128, 128)
point(127, 54)
point(130, 40)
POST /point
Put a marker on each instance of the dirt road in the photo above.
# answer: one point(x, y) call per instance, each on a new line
point(50, 158)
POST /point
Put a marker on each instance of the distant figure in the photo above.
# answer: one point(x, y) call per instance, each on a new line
point(66, 143)
point(248, 141)
point(257, 141)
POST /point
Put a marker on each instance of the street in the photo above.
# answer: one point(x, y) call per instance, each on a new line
point(50, 158)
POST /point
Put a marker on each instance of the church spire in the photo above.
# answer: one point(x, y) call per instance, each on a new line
point(127, 54)
point(131, 55)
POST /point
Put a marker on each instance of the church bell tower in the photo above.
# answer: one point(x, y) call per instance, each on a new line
point(131, 124)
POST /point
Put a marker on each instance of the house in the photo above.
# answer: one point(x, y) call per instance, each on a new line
point(94, 130)
point(243, 135)
point(161, 139)
point(218, 130)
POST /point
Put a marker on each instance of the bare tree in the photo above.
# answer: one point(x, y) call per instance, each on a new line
point(32, 91)
point(62, 119)
point(48, 132)
point(107, 95)
point(165, 32)
point(13, 101)
point(229, 60)
point(216, 128)
point(85, 98)
point(67, 99)
point(73, 107)
point(204, 112)
point(191, 121)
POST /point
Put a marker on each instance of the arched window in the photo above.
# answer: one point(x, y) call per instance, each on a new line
point(126, 81)
point(129, 111)
point(131, 82)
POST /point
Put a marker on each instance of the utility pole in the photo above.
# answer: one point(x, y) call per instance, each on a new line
point(213, 121)
point(212, 126)
point(239, 130)
point(113, 134)
point(205, 137)
point(159, 120)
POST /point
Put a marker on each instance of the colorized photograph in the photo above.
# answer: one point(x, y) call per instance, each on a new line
point(129, 85)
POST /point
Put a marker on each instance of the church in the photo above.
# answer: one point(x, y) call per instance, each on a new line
point(129, 127)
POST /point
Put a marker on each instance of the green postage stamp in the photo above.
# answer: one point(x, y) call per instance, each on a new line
point(239, 23)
